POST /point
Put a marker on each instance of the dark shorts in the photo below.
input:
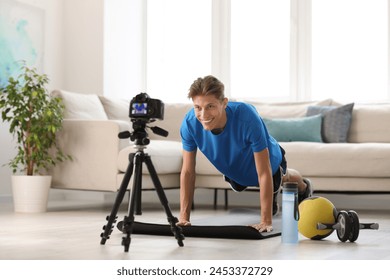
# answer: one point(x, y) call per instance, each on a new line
point(276, 178)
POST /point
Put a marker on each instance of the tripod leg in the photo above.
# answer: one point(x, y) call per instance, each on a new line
point(176, 230)
point(111, 219)
point(138, 197)
point(128, 221)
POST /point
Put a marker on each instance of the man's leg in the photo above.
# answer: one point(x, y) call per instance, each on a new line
point(293, 175)
point(305, 189)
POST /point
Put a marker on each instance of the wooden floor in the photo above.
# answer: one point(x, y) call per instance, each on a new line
point(70, 230)
point(64, 243)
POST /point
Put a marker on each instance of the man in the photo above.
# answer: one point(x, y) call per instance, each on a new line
point(235, 140)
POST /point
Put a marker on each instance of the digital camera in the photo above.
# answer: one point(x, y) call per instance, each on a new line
point(144, 107)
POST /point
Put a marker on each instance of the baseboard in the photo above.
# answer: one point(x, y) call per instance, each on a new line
point(205, 198)
point(359, 201)
point(62, 194)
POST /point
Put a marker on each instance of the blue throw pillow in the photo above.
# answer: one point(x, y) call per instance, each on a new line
point(336, 121)
point(307, 129)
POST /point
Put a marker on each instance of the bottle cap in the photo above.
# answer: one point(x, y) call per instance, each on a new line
point(290, 187)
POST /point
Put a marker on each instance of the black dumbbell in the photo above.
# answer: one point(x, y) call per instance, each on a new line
point(348, 226)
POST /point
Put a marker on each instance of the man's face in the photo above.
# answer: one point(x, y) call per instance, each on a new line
point(210, 111)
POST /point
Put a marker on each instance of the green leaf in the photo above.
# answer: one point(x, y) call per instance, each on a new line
point(34, 119)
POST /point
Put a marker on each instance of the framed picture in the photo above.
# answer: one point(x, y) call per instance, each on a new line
point(21, 37)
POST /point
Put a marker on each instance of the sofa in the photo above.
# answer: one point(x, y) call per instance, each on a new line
point(351, 157)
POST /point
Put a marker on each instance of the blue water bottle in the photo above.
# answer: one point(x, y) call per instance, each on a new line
point(290, 213)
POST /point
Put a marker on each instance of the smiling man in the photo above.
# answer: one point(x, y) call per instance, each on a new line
point(233, 137)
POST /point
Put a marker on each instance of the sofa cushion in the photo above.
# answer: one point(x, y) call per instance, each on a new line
point(81, 106)
point(116, 109)
point(336, 121)
point(369, 123)
point(166, 157)
point(286, 110)
point(295, 129)
point(354, 160)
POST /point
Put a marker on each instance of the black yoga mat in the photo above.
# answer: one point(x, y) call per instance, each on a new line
point(232, 225)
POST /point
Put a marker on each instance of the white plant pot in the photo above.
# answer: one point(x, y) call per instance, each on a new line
point(30, 193)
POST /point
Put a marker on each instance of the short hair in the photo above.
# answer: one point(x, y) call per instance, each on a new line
point(208, 85)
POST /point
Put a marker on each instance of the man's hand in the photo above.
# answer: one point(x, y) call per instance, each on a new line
point(262, 227)
point(183, 223)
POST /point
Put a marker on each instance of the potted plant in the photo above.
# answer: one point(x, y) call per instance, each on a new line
point(34, 118)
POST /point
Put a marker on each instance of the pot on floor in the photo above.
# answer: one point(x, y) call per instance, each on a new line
point(30, 193)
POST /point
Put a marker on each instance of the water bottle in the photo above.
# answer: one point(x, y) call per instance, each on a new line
point(290, 213)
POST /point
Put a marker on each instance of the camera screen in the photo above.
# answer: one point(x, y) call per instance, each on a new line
point(140, 109)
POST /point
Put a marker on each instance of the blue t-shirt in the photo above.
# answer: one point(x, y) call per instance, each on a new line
point(231, 151)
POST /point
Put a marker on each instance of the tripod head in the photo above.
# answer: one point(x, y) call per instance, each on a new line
point(139, 134)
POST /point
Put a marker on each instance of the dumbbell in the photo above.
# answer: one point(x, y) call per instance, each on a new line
point(348, 226)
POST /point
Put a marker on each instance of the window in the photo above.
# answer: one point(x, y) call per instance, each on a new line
point(260, 49)
point(124, 46)
point(350, 50)
point(178, 46)
point(270, 50)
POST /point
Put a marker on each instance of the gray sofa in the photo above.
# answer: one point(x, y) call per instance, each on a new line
point(100, 158)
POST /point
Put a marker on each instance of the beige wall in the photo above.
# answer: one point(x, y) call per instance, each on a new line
point(83, 45)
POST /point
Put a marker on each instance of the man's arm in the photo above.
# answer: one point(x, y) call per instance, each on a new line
point(264, 172)
point(187, 187)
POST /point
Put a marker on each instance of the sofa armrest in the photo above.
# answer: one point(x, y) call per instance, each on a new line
point(94, 146)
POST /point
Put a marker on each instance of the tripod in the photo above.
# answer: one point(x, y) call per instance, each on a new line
point(135, 163)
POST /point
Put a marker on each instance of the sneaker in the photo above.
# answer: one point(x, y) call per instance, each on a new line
point(307, 193)
point(235, 186)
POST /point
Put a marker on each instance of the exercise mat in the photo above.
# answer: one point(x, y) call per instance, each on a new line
point(232, 225)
